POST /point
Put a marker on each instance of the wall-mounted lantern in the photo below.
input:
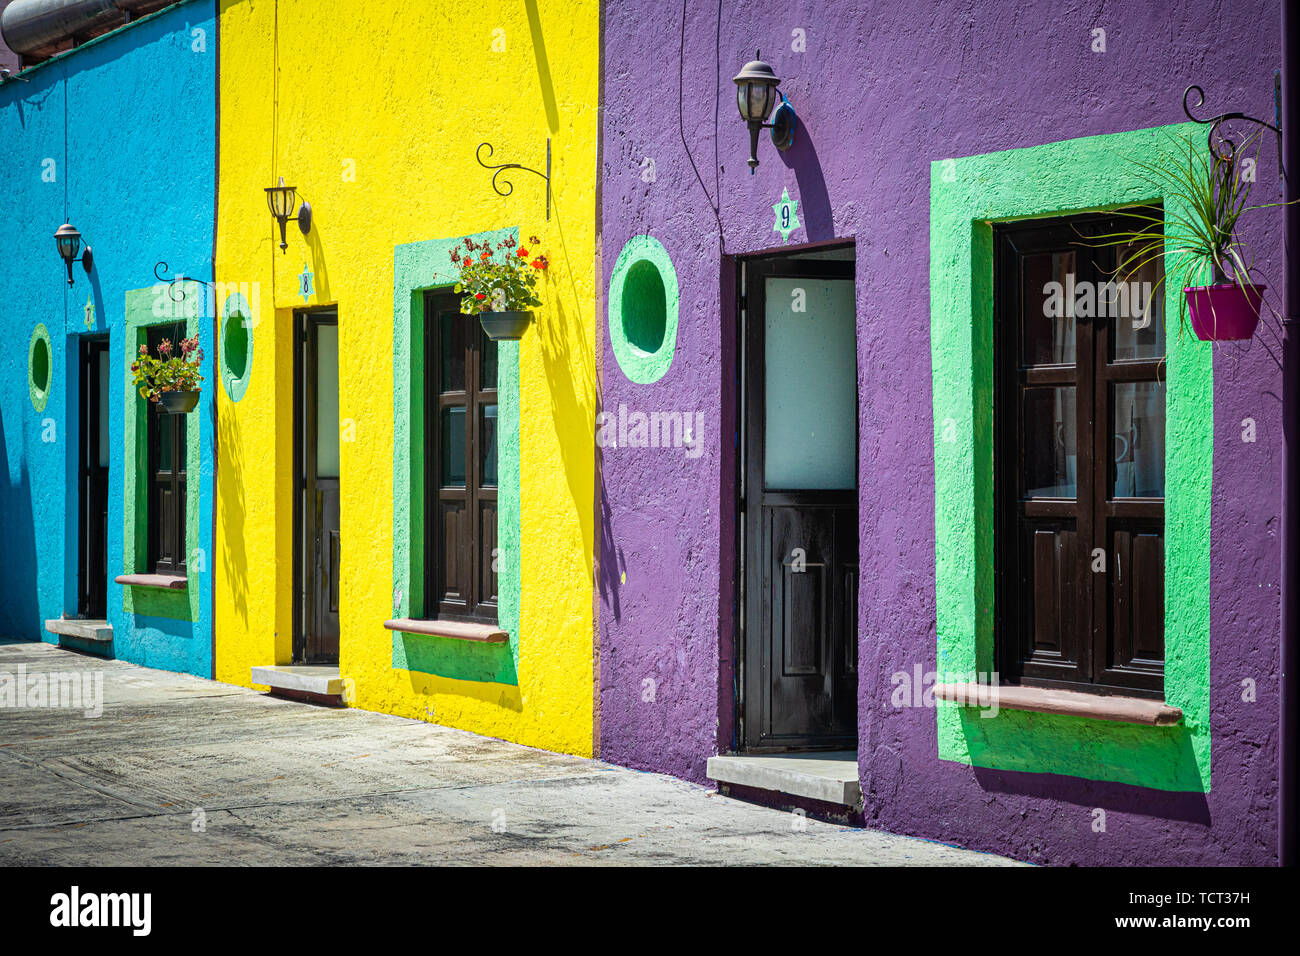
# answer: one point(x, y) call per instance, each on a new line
point(756, 95)
point(68, 240)
point(281, 200)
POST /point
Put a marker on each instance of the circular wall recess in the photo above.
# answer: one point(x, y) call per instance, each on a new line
point(236, 346)
point(40, 367)
point(643, 300)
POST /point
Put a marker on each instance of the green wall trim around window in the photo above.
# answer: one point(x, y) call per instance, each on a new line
point(417, 267)
point(182, 604)
point(643, 307)
point(40, 365)
point(966, 196)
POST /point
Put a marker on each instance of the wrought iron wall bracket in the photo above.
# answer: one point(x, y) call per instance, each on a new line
point(176, 284)
point(1226, 147)
point(503, 167)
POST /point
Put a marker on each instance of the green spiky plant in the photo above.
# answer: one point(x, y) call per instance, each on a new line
point(1200, 232)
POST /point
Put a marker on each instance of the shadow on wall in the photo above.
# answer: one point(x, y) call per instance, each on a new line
point(543, 66)
point(571, 377)
point(612, 563)
point(1188, 806)
point(19, 610)
point(814, 201)
point(234, 557)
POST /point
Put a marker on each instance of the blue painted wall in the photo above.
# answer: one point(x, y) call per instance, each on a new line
point(118, 138)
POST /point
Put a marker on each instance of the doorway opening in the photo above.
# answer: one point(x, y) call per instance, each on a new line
point(316, 485)
point(92, 471)
point(798, 503)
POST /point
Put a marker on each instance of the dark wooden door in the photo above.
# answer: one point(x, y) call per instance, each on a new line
point(1079, 459)
point(317, 459)
point(92, 559)
point(800, 506)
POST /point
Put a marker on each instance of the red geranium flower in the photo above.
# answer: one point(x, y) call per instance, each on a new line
point(480, 296)
point(522, 253)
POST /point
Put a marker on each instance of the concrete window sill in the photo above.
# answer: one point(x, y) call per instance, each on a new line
point(457, 630)
point(171, 582)
point(1042, 700)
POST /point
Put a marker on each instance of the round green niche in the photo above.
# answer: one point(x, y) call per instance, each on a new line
point(40, 365)
point(643, 300)
point(236, 346)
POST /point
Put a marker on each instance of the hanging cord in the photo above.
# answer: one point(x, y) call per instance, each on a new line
point(681, 121)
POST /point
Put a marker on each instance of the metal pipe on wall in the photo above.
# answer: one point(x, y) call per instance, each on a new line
point(32, 27)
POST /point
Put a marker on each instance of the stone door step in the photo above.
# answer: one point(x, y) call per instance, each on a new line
point(96, 632)
point(317, 683)
point(830, 777)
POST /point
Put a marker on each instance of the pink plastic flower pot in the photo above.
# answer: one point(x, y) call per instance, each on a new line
point(1224, 312)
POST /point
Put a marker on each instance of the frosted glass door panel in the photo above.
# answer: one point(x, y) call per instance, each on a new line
point(811, 385)
point(327, 401)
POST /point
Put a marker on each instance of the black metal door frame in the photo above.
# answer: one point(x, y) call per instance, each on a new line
point(306, 616)
point(92, 505)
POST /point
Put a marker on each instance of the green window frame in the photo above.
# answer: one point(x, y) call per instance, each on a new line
point(967, 196)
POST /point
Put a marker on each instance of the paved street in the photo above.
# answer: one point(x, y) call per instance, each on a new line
point(182, 770)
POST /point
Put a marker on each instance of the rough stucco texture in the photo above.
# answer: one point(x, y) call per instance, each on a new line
point(380, 138)
point(132, 169)
point(882, 94)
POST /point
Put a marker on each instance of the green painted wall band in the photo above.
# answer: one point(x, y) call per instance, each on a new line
point(966, 196)
point(418, 267)
point(183, 604)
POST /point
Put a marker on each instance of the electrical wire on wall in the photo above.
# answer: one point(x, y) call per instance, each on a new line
point(681, 121)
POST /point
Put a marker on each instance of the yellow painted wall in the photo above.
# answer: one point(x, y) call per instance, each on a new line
point(375, 118)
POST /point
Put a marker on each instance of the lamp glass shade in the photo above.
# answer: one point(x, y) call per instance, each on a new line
point(68, 240)
point(756, 91)
point(281, 199)
point(758, 101)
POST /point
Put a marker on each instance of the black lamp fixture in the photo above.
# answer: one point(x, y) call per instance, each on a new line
point(756, 95)
point(68, 239)
point(281, 200)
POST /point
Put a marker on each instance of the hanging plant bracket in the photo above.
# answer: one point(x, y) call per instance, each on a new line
point(176, 284)
point(503, 167)
point(1226, 147)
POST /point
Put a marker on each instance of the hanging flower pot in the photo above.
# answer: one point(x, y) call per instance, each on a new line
point(498, 283)
point(505, 326)
point(178, 402)
point(170, 379)
point(1225, 311)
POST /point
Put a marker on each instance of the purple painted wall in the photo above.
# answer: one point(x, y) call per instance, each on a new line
point(881, 92)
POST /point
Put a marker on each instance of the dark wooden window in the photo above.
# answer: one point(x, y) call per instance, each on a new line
point(460, 458)
point(1079, 455)
point(166, 477)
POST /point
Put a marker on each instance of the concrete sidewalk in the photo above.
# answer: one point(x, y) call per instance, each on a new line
point(180, 770)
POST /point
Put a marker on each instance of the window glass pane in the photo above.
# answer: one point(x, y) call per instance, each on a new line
point(488, 349)
point(1048, 295)
point(488, 446)
point(178, 426)
point(1049, 444)
point(1137, 313)
point(166, 429)
point(327, 401)
point(452, 350)
point(1138, 411)
point(453, 447)
point(811, 384)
